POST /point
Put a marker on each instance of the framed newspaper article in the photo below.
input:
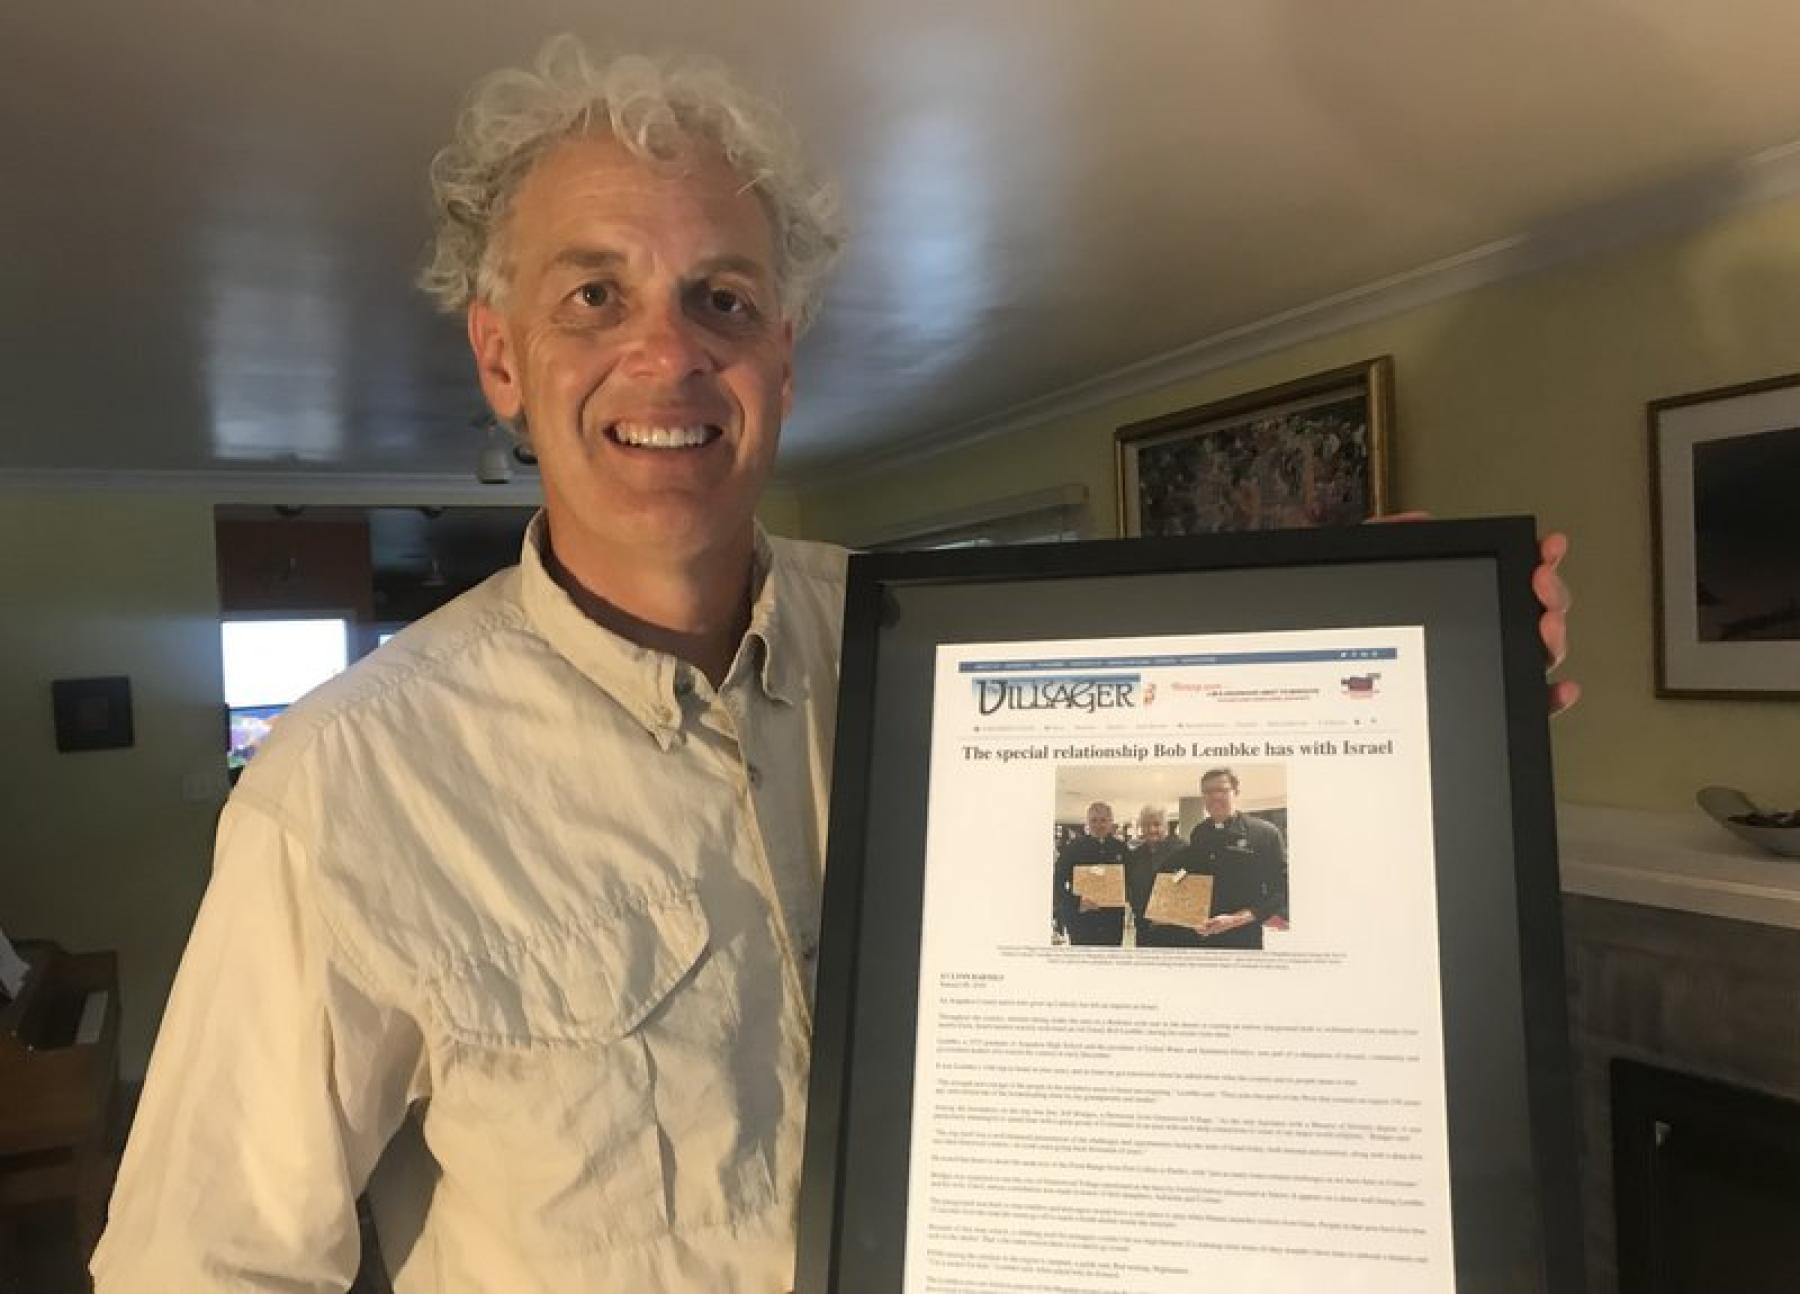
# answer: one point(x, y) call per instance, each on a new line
point(1191, 921)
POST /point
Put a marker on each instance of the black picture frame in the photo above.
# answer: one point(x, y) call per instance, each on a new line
point(1723, 530)
point(1515, 1207)
point(92, 713)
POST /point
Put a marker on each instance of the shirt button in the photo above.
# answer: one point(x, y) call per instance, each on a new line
point(809, 950)
point(754, 773)
point(684, 682)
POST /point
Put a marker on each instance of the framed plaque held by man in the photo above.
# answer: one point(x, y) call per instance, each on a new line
point(1100, 885)
point(1180, 901)
point(1321, 1044)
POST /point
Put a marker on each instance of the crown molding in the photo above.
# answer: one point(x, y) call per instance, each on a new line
point(1055, 498)
point(402, 489)
point(1767, 176)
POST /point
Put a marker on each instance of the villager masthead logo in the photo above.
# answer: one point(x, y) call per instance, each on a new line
point(1084, 692)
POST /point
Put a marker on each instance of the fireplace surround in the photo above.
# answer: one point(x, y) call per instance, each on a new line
point(1706, 1184)
point(1683, 954)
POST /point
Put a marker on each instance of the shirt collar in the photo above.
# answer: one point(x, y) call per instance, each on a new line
point(650, 684)
point(771, 629)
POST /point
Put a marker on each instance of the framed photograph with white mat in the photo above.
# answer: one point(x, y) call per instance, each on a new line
point(1726, 541)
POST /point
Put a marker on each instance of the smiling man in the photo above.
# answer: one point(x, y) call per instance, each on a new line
point(514, 923)
point(1247, 860)
point(1074, 918)
point(641, 340)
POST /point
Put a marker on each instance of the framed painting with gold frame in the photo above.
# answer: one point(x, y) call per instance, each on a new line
point(1312, 452)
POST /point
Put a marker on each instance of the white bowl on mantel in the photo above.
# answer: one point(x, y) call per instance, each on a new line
point(1723, 805)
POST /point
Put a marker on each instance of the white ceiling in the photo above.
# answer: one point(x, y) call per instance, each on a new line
point(210, 210)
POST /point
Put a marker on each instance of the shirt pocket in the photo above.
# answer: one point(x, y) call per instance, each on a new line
point(543, 1113)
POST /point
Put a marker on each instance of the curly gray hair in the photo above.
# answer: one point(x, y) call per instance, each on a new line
point(659, 108)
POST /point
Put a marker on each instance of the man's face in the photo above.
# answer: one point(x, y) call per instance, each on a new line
point(1155, 830)
point(642, 339)
point(1099, 820)
point(1219, 797)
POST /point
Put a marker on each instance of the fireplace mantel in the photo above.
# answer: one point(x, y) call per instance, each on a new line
point(1681, 860)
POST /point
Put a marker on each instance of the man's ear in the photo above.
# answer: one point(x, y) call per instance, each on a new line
point(496, 364)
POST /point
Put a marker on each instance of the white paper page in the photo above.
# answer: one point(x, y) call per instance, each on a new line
point(1104, 1118)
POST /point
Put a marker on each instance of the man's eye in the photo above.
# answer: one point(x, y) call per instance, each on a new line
point(728, 302)
point(594, 295)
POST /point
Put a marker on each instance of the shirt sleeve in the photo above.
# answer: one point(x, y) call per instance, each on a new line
point(277, 1078)
point(1273, 847)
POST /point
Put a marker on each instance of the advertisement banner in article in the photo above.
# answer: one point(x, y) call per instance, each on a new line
point(1179, 1018)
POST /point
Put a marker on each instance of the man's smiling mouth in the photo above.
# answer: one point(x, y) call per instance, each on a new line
point(647, 435)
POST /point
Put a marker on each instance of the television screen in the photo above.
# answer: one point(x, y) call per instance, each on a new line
point(270, 664)
point(250, 726)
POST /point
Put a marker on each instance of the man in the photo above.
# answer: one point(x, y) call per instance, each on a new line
point(1098, 855)
point(1141, 865)
point(514, 923)
point(1247, 860)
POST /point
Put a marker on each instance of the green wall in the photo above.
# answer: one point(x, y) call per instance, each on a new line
point(779, 511)
point(1525, 396)
point(110, 849)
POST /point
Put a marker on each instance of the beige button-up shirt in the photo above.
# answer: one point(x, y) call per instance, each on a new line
point(515, 923)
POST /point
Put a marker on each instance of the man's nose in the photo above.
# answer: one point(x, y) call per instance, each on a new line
point(667, 344)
